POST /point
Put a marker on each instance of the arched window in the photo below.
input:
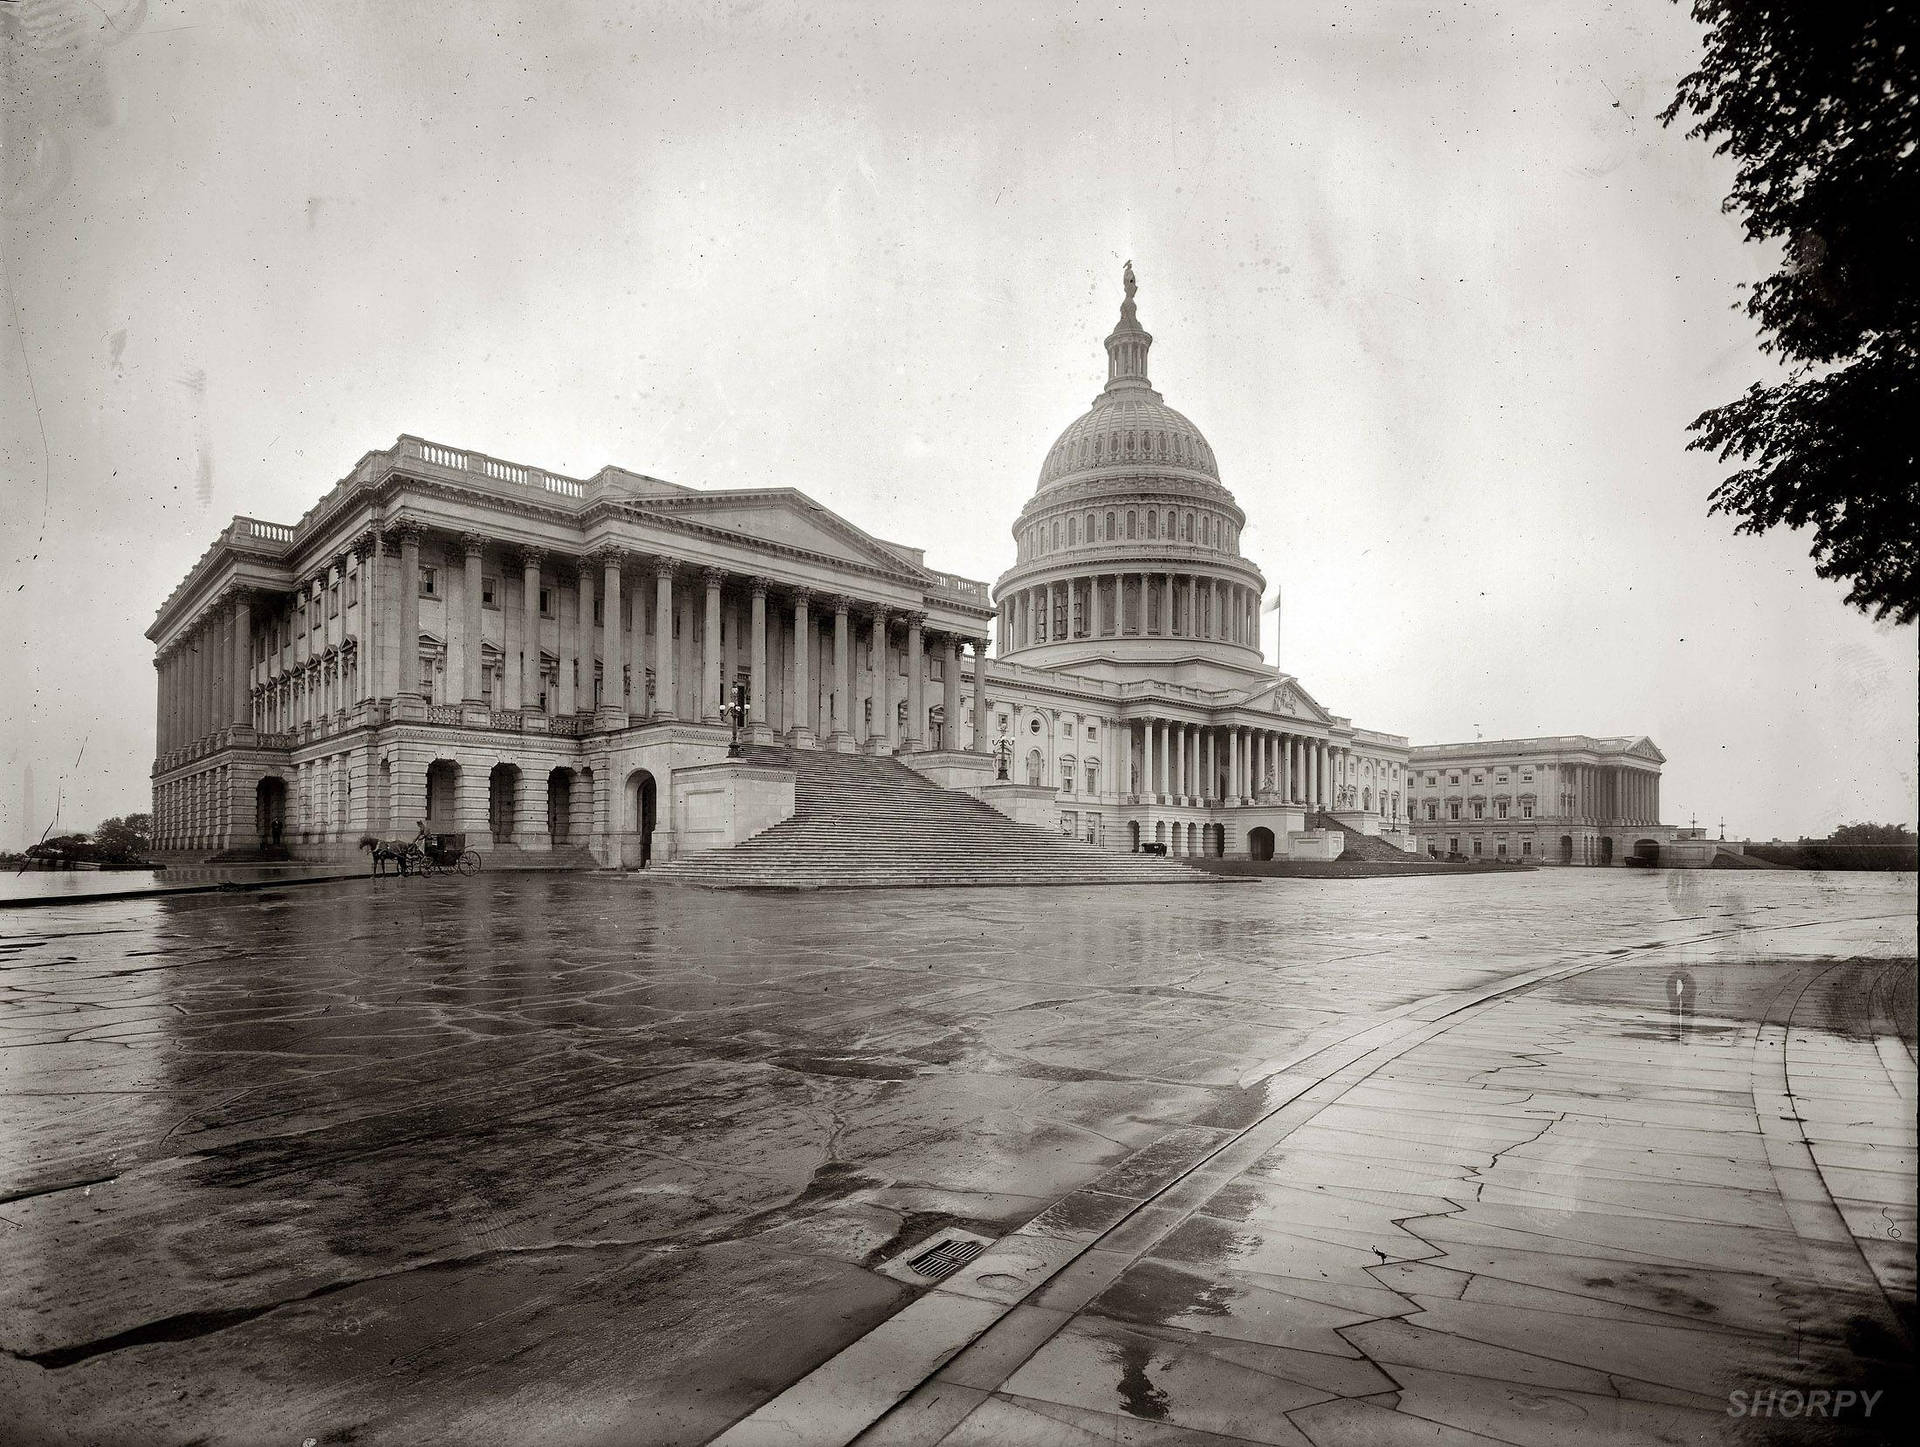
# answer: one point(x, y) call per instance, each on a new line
point(1130, 531)
point(1093, 530)
point(1153, 518)
point(1066, 775)
point(1073, 531)
point(1036, 766)
point(1056, 536)
point(1110, 532)
point(1187, 527)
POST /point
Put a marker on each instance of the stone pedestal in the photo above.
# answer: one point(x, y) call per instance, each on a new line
point(1319, 845)
point(955, 768)
point(1023, 803)
point(1361, 821)
point(716, 805)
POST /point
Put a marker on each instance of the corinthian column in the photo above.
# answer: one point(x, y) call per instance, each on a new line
point(802, 732)
point(842, 737)
point(530, 629)
point(711, 685)
point(612, 712)
point(916, 684)
point(980, 695)
point(471, 690)
point(408, 642)
point(665, 699)
point(757, 730)
point(950, 691)
point(241, 716)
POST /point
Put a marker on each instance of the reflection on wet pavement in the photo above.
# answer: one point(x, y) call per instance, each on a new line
point(554, 1158)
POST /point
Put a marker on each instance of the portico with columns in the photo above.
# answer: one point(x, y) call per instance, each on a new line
point(529, 659)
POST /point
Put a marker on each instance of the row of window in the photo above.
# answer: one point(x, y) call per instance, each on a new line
point(1150, 523)
point(1480, 777)
point(1480, 809)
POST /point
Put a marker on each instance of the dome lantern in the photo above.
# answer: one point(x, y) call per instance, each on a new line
point(1128, 344)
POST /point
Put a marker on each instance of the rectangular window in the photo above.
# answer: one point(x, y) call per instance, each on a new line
point(1500, 848)
point(546, 603)
point(489, 593)
point(353, 589)
point(1526, 811)
point(429, 582)
point(1453, 811)
point(426, 679)
point(1479, 811)
point(1501, 808)
point(1477, 849)
point(1526, 846)
point(333, 601)
point(599, 609)
point(1453, 844)
point(1090, 731)
point(1433, 811)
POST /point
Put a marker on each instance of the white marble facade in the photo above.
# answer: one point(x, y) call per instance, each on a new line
point(530, 659)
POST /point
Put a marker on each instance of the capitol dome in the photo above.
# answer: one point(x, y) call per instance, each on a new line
point(1129, 550)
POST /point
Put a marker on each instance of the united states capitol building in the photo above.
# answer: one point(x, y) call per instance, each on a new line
point(549, 665)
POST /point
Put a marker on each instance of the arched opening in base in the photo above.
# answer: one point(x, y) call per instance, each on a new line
point(503, 792)
point(560, 806)
point(1566, 849)
point(1260, 844)
point(1606, 849)
point(642, 811)
point(270, 810)
point(1646, 853)
point(443, 781)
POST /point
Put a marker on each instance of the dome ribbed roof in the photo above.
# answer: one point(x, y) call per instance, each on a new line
point(1129, 427)
point(1125, 431)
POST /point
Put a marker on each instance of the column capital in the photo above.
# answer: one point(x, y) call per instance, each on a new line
point(713, 577)
point(529, 558)
point(472, 544)
point(364, 546)
point(802, 597)
point(842, 605)
point(406, 530)
point(661, 566)
point(607, 555)
point(915, 621)
point(980, 646)
point(759, 587)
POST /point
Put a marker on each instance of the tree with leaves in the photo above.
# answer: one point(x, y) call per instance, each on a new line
point(127, 838)
point(1818, 105)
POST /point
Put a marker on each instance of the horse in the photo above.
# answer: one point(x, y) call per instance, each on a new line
point(400, 851)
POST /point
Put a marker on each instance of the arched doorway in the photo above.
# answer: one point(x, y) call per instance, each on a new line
point(1606, 849)
point(936, 726)
point(503, 790)
point(1566, 849)
point(560, 806)
point(1646, 852)
point(443, 780)
point(1193, 839)
point(1133, 836)
point(1160, 831)
point(642, 811)
point(1260, 844)
point(1036, 767)
point(270, 810)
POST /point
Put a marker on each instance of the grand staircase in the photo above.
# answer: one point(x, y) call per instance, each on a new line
point(862, 822)
point(1360, 848)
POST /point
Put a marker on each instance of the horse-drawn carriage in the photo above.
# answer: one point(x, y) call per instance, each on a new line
point(436, 854)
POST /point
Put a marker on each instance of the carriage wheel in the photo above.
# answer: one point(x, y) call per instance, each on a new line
point(470, 862)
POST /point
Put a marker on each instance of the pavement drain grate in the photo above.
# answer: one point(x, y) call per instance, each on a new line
point(946, 1258)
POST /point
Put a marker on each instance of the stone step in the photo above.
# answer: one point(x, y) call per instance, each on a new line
point(862, 821)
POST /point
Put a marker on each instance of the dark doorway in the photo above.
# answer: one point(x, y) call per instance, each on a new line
point(443, 780)
point(1606, 849)
point(1260, 844)
point(1566, 849)
point(503, 788)
point(560, 806)
point(270, 810)
point(642, 811)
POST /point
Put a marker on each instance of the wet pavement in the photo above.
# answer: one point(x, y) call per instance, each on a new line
point(1558, 1157)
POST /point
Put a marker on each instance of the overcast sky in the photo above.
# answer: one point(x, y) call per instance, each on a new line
point(1433, 280)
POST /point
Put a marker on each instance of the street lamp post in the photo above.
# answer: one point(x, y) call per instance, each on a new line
point(736, 715)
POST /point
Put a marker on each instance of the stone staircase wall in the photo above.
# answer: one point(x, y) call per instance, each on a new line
point(872, 822)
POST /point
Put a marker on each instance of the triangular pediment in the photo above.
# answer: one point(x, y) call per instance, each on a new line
point(785, 518)
point(1285, 698)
